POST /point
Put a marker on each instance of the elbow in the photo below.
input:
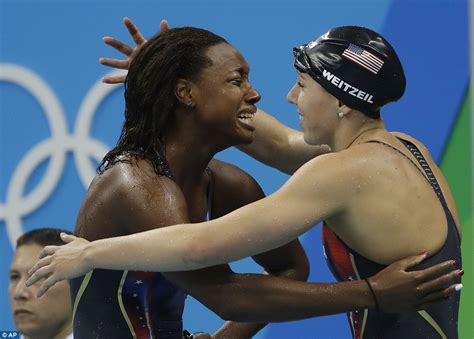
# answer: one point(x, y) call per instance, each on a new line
point(303, 271)
point(228, 303)
point(302, 274)
point(200, 254)
point(233, 311)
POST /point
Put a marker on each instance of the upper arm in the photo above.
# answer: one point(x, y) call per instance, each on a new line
point(290, 257)
point(233, 188)
point(316, 191)
point(289, 260)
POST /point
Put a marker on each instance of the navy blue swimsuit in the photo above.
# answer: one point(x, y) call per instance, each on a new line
point(436, 321)
point(110, 304)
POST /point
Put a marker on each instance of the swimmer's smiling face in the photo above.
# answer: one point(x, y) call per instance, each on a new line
point(317, 109)
point(224, 98)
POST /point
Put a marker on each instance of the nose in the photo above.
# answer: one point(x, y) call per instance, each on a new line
point(253, 96)
point(292, 94)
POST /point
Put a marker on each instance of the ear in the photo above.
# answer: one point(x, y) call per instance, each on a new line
point(184, 92)
point(343, 108)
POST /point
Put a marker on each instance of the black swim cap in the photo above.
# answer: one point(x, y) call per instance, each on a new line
point(356, 65)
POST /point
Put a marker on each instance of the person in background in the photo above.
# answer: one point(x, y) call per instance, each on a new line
point(38, 318)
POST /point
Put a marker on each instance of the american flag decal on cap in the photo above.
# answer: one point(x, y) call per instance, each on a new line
point(363, 58)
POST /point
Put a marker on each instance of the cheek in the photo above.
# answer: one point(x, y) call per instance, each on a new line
point(58, 301)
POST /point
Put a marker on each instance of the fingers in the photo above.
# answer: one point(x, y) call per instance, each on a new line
point(114, 63)
point(435, 271)
point(114, 79)
point(47, 284)
point(48, 250)
point(412, 261)
point(164, 25)
point(440, 283)
point(40, 270)
point(135, 33)
point(67, 238)
point(439, 296)
point(118, 45)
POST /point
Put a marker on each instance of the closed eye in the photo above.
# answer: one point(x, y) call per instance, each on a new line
point(237, 82)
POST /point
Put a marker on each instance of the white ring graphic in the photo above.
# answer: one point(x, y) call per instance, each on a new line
point(81, 144)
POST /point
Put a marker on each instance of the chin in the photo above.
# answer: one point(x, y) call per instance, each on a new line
point(29, 330)
point(247, 141)
point(311, 140)
point(246, 138)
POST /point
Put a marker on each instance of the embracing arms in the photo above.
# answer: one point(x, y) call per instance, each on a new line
point(309, 196)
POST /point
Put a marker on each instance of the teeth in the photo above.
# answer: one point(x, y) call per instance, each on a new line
point(246, 115)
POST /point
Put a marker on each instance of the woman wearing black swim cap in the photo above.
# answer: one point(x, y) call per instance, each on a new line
point(380, 195)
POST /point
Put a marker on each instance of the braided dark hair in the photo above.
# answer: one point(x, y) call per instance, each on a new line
point(150, 101)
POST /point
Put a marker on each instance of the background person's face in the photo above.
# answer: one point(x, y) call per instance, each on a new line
point(36, 316)
point(225, 99)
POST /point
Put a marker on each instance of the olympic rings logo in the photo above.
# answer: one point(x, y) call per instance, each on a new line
point(80, 143)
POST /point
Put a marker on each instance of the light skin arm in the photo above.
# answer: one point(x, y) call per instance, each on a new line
point(280, 146)
point(308, 197)
point(311, 195)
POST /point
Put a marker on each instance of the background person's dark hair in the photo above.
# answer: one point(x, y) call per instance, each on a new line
point(42, 236)
point(178, 53)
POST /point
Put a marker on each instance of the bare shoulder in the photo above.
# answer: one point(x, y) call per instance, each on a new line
point(233, 187)
point(333, 174)
point(137, 181)
point(416, 142)
point(438, 174)
point(346, 164)
point(138, 197)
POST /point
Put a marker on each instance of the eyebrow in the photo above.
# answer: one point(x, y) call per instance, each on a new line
point(241, 69)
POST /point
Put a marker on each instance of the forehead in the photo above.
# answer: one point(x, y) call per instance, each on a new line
point(226, 58)
point(26, 256)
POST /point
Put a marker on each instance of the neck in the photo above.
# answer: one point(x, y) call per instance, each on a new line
point(356, 130)
point(188, 152)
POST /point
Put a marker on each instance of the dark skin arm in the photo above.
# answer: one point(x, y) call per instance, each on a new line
point(289, 261)
point(142, 199)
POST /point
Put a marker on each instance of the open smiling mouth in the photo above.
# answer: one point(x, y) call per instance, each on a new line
point(246, 118)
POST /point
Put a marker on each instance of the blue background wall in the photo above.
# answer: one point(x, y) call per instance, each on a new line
point(49, 51)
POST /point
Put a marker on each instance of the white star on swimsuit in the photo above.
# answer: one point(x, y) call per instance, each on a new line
point(138, 282)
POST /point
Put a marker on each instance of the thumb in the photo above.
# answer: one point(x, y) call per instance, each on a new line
point(413, 260)
point(67, 238)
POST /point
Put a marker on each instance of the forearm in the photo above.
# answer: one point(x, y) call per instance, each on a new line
point(233, 329)
point(140, 252)
point(236, 330)
point(256, 298)
point(279, 146)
